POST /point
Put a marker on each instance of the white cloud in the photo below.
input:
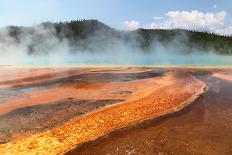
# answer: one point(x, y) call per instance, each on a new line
point(195, 20)
point(214, 6)
point(131, 25)
point(157, 18)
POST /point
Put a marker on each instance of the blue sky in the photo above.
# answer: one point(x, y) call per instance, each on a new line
point(214, 15)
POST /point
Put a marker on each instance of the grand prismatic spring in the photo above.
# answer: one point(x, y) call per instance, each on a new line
point(114, 77)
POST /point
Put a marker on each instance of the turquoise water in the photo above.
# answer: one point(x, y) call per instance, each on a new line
point(123, 58)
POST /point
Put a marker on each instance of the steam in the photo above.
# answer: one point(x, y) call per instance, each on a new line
point(40, 45)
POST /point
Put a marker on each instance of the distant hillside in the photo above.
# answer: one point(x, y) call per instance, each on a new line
point(94, 36)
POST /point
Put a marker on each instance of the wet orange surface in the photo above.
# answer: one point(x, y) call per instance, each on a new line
point(80, 90)
point(202, 128)
point(144, 93)
point(32, 102)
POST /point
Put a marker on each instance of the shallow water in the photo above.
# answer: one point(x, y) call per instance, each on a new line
point(202, 128)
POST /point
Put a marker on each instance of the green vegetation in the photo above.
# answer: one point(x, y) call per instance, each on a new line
point(92, 35)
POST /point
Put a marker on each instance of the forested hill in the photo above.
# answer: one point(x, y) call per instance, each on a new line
point(94, 36)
